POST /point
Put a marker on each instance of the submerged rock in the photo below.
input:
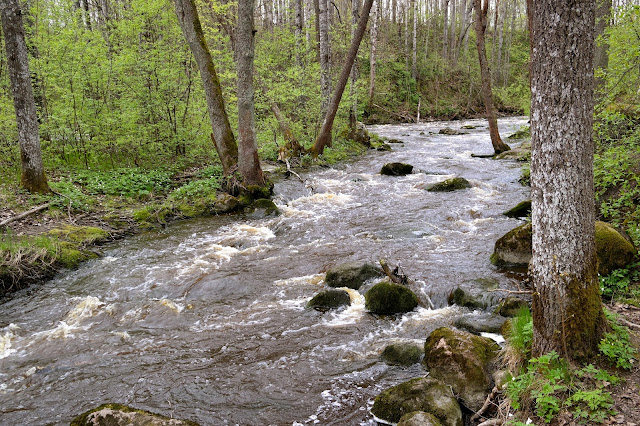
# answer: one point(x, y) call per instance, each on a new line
point(261, 208)
point(405, 354)
point(523, 209)
point(329, 299)
point(462, 360)
point(396, 169)
point(394, 141)
point(449, 185)
point(419, 418)
point(510, 306)
point(351, 274)
point(513, 249)
point(121, 415)
point(421, 394)
point(449, 132)
point(469, 298)
point(384, 147)
point(390, 298)
point(225, 203)
point(485, 323)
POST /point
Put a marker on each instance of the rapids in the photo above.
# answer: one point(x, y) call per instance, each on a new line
point(206, 320)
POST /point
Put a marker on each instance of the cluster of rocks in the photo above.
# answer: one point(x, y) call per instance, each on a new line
point(448, 185)
point(385, 297)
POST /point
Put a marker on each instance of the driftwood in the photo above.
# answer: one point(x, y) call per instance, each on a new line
point(25, 214)
point(486, 405)
point(492, 422)
point(291, 172)
point(397, 276)
point(483, 155)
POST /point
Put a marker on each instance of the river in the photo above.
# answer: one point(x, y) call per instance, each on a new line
point(206, 320)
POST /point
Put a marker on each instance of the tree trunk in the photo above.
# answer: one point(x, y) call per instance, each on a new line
point(481, 24)
point(222, 135)
point(452, 33)
point(299, 26)
point(372, 57)
point(325, 83)
point(445, 27)
point(601, 59)
point(567, 311)
point(414, 41)
point(248, 161)
point(324, 137)
point(353, 115)
point(33, 176)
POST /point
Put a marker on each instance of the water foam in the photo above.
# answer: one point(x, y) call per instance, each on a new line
point(6, 338)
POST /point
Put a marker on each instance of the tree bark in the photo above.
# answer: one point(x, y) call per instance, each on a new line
point(481, 25)
point(324, 137)
point(33, 177)
point(222, 135)
point(414, 40)
point(299, 26)
point(601, 59)
point(445, 25)
point(248, 161)
point(567, 310)
point(325, 78)
point(353, 115)
point(372, 56)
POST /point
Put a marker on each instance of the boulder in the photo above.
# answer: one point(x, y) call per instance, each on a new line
point(484, 323)
point(421, 394)
point(510, 306)
point(614, 251)
point(513, 249)
point(521, 153)
point(121, 415)
point(385, 147)
point(468, 127)
point(463, 361)
point(469, 298)
point(452, 184)
point(404, 354)
point(329, 299)
point(394, 141)
point(523, 209)
point(419, 418)
point(225, 203)
point(396, 169)
point(261, 208)
point(351, 274)
point(390, 298)
point(450, 132)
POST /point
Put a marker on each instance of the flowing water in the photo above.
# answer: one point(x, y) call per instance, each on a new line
point(206, 320)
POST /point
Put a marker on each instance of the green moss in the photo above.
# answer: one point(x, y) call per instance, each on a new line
point(143, 214)
point(329, 299)
point(82, 235)
point(390, 298)
point(70, 256)
point(112, 415)
point(188, 210)
point(614, 251)
point(523, 209)
point(452, 184)
point(402, 354)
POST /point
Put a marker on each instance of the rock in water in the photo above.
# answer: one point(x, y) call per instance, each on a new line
point(329, 299)
point(421, 394)
point(419, 418)
point(449, 185)
point(396, 169)
point(462, 360)
point(121, 415)
point(405, 354)
point(513, 249)
point(523, 209)
point(351, 274)
point(390, 298)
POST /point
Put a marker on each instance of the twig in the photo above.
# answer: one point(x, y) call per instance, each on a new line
point(286, 160)
point(504, 290)
point(492, 422)
point(628, 323)
point(487, 402)
point(399, 277)
point(25, 214)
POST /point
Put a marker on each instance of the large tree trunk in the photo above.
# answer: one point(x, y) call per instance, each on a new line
point(567, 311)
point(414, 40)
point(324, 137)
point(33, 176)
point(222, 135)
point(372, 57)
point(353, 115)
point(445, 29)
point(248, 161)
point(481, 25)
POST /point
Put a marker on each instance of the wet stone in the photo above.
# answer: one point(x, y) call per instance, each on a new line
point(351, 274)
point(483, 323)
point(396, 169)
point(449, 185)
point(404, 354)
point(329, 299)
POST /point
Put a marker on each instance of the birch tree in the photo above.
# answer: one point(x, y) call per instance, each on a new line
point(33, 177)
point(567, 311)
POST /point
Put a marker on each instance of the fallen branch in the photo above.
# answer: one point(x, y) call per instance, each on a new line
point(291, 171)
point(503, 290)
point(5, 222)
point(399, 277)
point(492, 422)
point(486, 405)
point(628, 323)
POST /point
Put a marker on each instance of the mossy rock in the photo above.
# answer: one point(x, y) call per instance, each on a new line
point(190, 210)
point(81, 235)
point(390, 298)
point(419, 418)
point(452, 184)
point(394, 141)
point(329, 299)
point(447, 131)
point(484, 323)
point(472, 299)
point(396, 169)
point(262, 208)
point(521, 153)
point(523, 209)
point(405, 354)
point(383, 147)
point(462, 360)
point(224, 203)
point(70, 256)
point(510, 306)
point(614, 251)
point(121, 415)
point(351, 274)
point(513, 249)
point(469, 127)
point(420, 394)
point(259, 191)
point(521, 134)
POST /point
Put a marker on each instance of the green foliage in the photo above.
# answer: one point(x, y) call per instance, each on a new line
point(616, 346)
point(136, 183)
point(618, 282)
point(521, 333)
point(549, 384)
